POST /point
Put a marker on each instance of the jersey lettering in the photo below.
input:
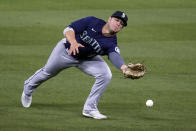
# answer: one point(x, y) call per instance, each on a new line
point(91, 41)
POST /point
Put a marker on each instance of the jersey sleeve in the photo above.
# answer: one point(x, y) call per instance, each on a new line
point(113, 47)
point(116, 59)
point(81, 24)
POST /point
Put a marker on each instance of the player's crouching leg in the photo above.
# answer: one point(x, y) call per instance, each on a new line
point(32, 83)
point(103, 78)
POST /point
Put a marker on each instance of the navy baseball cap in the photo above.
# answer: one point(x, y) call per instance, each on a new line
point(121, 15)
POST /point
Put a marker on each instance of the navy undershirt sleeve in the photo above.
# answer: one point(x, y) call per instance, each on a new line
point(116, 59)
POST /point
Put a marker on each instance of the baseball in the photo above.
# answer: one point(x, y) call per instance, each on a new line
point(149, 103)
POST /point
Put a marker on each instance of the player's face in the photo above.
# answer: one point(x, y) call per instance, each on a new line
point(115, 24)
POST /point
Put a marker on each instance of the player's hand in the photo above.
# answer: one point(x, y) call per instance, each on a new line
point(74, 48)
point(123, 68)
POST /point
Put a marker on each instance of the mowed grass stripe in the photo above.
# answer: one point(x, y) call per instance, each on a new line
point(63, 17)
point(27, 5)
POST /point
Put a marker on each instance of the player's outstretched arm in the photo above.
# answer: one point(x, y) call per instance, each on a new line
point(117, 61)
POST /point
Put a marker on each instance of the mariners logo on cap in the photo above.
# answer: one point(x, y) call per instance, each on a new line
point(123, 15)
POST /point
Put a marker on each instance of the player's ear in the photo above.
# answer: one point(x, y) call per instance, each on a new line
point(109, 19)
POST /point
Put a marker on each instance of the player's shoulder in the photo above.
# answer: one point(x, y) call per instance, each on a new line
point(95, 19)
point(113, 39)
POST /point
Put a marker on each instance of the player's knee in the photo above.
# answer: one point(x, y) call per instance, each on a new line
point(48, 74)
point(107, 76)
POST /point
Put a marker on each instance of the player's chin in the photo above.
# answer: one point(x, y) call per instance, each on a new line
point(116, 30)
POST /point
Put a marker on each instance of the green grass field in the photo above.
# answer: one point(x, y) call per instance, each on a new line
point(160, 33)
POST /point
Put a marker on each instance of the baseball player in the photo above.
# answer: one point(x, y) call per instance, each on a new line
point(86, 40)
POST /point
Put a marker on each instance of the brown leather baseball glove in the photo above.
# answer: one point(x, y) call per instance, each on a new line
point(135, 71)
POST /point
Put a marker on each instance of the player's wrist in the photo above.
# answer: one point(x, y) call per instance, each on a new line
point(123, 68)
point(73, 42)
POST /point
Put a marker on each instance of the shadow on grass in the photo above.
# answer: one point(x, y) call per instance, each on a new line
point(64, 106)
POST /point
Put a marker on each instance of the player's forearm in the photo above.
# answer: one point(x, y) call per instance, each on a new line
point(117, 61)
point(70, 35)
